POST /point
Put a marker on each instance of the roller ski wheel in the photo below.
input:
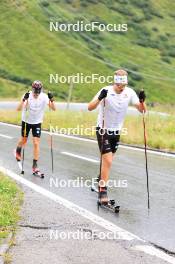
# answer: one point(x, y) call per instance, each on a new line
point(37, 172)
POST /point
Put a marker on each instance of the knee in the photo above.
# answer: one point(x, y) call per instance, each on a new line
point(35, 143)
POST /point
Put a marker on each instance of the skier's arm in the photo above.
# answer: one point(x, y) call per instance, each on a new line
point(52, 105)
point(93, 104)
point(21, 104)
point(97, 99)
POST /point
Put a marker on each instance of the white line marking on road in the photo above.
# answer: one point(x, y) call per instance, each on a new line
point(79, 157)
point(154, 252)
point(154, 152)
point(10, 125)
point(121, 233)
point(5, 136)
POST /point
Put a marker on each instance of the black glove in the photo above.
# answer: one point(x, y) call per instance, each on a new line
point(50, 96)
point(142, 96)
point(103, 94)
point(26, 96)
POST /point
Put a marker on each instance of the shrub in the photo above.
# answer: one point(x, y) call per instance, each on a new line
point(130, 66)
point(136, 77)
point(140, 3)
point(156, 13)
point(148, 16)
point(155, 29)
point(131, 82)
point(171, 52)
point(172, 15)
point(168, 34)
point(142, 42)
point(164, 53)
point(140, 29)
point(154, 44)
point(69, 1)
point(123, 1)
point(45, 3)
point(9, 76)
point(166, 59)
point(84, 4)
point(163, 38)
point(93, 1)
point(124, 10)
point(138, 19)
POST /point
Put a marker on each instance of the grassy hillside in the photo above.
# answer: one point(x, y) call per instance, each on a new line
point(29, 51)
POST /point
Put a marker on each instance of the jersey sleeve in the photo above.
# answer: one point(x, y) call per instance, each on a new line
point(134, 98)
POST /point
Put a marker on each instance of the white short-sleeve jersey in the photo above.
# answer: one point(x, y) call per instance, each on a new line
point(115, 107)
point(35, 108)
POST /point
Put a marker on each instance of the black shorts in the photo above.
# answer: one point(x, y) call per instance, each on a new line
point(110, 140)
point(36, 129)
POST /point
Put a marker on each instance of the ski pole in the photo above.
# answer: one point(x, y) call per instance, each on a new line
point(25, 133)
point(51, 139)
point(101, 150)
point(146, 157)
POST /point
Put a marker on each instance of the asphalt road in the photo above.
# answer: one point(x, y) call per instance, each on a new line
point(156, 227)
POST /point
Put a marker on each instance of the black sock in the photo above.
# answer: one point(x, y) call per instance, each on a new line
point(18, 150)
point(34, 163)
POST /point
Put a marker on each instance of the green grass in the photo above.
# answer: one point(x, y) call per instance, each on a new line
point(160, 130)
point(29, 51)
point(10, 201)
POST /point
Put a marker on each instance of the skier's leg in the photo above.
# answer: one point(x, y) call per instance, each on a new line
point(36, 132)
point(25, 129)
point(107, 158)
point(106, 166)
point(36, 149)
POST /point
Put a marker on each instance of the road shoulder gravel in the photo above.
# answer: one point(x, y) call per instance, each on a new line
point(35, 242)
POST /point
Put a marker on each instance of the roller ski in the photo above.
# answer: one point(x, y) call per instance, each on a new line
point(37, 173)
point(104, 201)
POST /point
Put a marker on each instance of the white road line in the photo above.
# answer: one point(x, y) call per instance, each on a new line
point(79, 157)
point(154, 152)
point(10, 125)
point(121, 233)
point(155, 252)
point(5, 136)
